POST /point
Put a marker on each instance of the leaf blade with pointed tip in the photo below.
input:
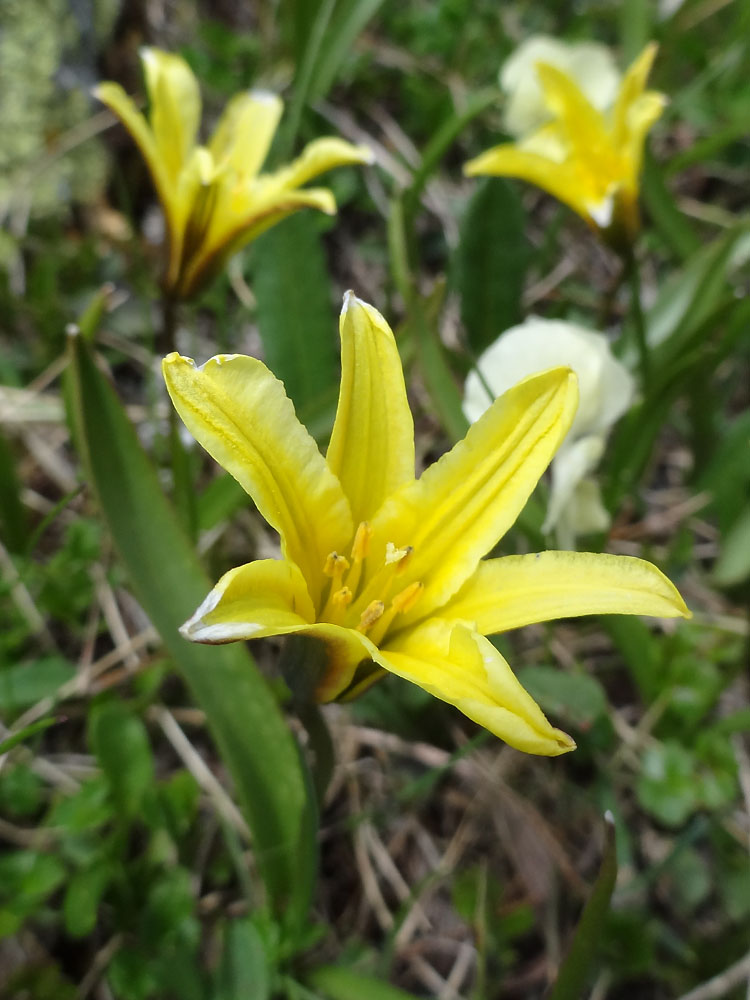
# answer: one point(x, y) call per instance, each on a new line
point(244, 718)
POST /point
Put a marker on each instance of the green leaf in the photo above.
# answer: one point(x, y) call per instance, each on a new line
point(666, 787)
point(243, 716)
point(27, 878)
point(689, 298)
point(671, 224)
point(727, 477)
point(129, 977)
point(491, 262)
point(25, 734)
point(169, 914)
point(82, 897)
point(349, 18)
point(24, 684)
point(13, 522)
point(433, 360)
point(120, 742)
point(243, 972)
point(86, 810)
point(640, 650)
point(219, 501)
point(635, 27)
point(575, 698)
point(576, 968)
point(733, 564)
point(295, 315)
point(340, 983)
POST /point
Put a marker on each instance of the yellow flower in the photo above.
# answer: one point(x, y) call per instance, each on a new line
point(588, 159)
point(214, 198)
point(387, 569)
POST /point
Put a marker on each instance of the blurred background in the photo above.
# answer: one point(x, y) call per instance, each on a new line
point(450, 865)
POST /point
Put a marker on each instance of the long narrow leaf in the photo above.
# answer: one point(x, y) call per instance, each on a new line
point(491, 262)
point(349, 20)
point(575, 970)
point(340, 983)
point(295, 312)
point(242, 714)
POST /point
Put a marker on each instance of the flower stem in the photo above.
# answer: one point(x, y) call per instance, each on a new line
point(165, 340)
point(182, 479)
point(637, 318)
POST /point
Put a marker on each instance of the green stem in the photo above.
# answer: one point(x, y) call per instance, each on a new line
point(165, 339)
point(637, 318)
point(184, 488)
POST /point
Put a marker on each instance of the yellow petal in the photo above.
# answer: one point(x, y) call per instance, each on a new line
point(175, 106)
point(240, 215)
point(513, 591)
point(632, 87)
point(372, 444)
point(583, 125)
point(467, 500)
point(269, 597)
point(562, 180)
point(241, 415)
point(193, 200)
point(317, 157)
point(245, 131)
point(248, 205)
point(118, 101)
point(641, 116)
point(261, 598)
point(463, 668)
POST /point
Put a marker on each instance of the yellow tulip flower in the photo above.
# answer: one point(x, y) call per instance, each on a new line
point(215, 199)
point(589, 159)
point(385, 568)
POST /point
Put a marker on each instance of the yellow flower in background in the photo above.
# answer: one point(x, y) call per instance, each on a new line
point(215, 199)
point(590, 64)
point(589, 159)
point(387, 569)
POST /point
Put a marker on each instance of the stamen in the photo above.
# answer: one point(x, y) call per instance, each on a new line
point(408, 597)
point(338, 601)
point(361, 544)
point(335, 565)
point(395, 555)
point(402, 602)
point(360, 550)
point(370, 615)
point(342, 598)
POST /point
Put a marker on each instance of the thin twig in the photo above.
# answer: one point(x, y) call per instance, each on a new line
point(721, 984)
point(199, 769)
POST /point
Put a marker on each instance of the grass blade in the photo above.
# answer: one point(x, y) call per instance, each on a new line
point(295, 313)
point(245, 720)
point(575, 970)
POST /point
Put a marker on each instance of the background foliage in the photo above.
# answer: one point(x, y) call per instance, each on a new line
point(439, 861)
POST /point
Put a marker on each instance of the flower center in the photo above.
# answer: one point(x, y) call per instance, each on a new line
point(368, 606)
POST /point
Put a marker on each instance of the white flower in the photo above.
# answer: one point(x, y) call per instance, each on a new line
point(606, 391)
point(590, 64)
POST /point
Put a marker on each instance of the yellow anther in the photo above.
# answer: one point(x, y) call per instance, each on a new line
point(370, 615)
point(335, 565)
point(342, 598)
point(408, 597)
point(361, 544)
point(396, 555)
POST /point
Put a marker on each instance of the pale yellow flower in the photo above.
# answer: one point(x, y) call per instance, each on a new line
point(606, 391)
point(215, 199)
point(387, 570)
point(590, 64)
point(591, 160)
